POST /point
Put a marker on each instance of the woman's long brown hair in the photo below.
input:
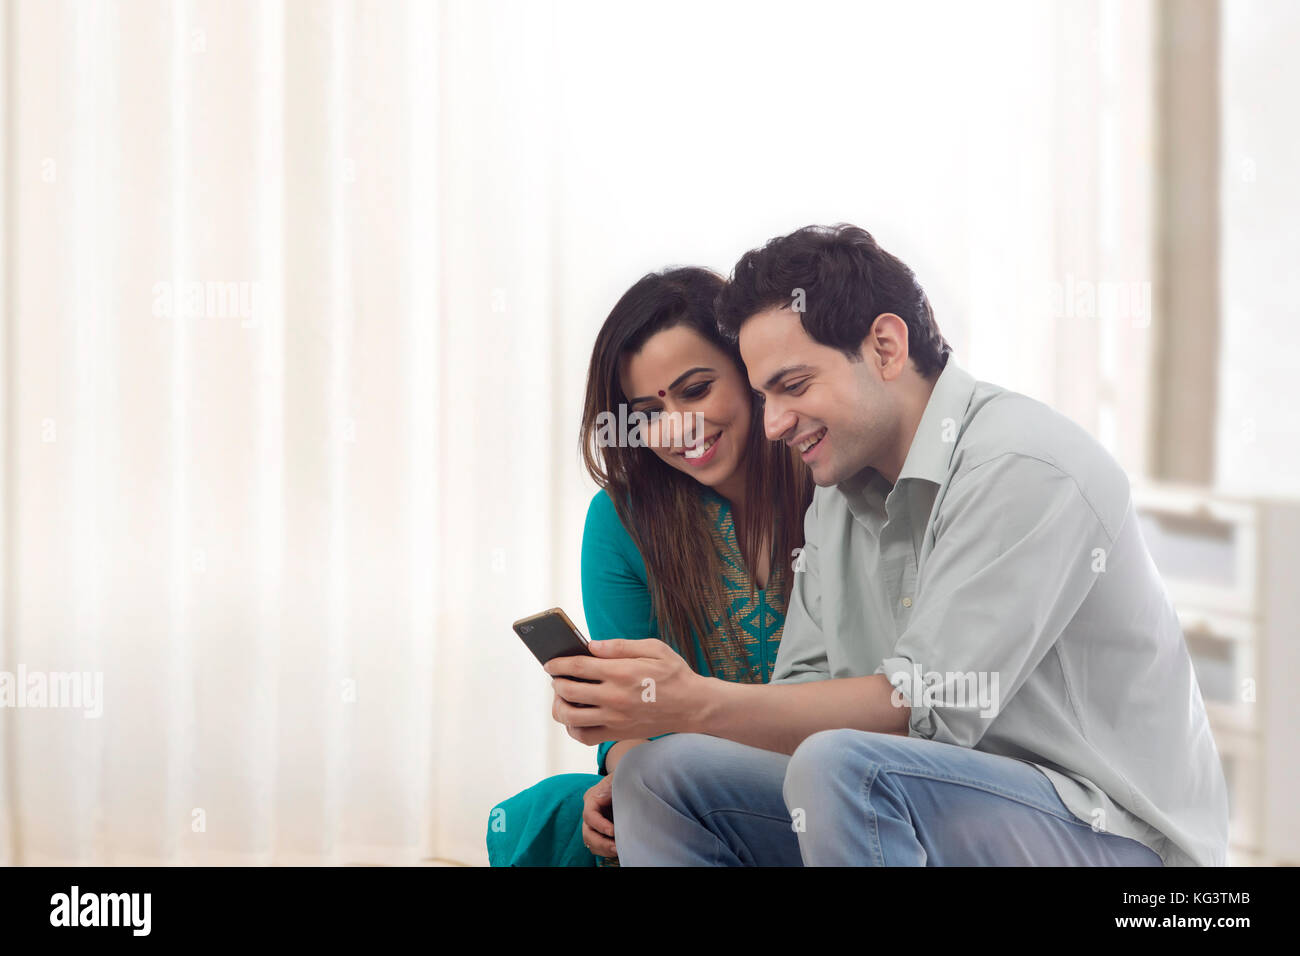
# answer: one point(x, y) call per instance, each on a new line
point(661, 507)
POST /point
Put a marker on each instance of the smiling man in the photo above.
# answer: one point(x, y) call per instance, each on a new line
point(980, 665)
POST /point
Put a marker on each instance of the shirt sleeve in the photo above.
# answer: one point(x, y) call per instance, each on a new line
point(615, 596)
point(1013, 559)
point(801, 655)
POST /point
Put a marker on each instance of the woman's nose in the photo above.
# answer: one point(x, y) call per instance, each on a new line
point(666, 429)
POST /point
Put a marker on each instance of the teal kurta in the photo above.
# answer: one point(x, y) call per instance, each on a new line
point(542, 826)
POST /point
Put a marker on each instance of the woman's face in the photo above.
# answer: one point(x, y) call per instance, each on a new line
point(702, 400)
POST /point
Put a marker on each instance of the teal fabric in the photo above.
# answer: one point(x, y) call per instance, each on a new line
point(615, 590)
point(542, 825)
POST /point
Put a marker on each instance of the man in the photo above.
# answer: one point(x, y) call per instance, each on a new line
point(980, 665)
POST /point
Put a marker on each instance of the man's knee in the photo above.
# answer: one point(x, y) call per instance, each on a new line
point(812, 761)
point(659, 765)
point(827, 753)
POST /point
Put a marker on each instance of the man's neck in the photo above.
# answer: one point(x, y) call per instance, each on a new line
point(915, 398)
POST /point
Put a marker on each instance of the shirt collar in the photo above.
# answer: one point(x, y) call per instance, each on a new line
point(936, 436)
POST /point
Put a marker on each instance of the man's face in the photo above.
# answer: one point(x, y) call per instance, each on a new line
point(837, 412)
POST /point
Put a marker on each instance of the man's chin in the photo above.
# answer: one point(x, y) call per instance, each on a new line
point(823, 476)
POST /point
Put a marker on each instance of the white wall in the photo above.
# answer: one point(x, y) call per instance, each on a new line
point(1259, 364)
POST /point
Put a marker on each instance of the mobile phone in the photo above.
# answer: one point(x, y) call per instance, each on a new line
point(551, 634)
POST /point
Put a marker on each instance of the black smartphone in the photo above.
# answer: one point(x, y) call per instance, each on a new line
point(551, 634)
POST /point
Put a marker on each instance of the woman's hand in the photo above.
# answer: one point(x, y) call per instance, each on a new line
point(598, 819)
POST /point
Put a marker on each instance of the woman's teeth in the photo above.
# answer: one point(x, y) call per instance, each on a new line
point(697, 452)
point(812, 441)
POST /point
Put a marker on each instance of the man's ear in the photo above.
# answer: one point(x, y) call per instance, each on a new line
point(886, 345)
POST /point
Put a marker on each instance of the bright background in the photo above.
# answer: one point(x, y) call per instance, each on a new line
point(293, 539)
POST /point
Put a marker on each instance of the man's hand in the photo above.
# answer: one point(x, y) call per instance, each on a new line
point(645, 689)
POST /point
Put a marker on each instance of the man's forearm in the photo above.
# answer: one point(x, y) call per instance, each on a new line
point(779, 717)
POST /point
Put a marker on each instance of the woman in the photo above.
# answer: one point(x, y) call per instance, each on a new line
point(687, 540)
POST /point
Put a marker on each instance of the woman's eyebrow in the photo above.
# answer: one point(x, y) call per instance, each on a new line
point(677, 381)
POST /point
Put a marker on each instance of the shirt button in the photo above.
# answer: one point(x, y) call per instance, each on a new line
point(907, 602)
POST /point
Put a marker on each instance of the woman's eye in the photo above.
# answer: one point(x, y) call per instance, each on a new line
point(697, 391)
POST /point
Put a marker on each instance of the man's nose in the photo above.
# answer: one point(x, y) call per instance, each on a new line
point(777, 421)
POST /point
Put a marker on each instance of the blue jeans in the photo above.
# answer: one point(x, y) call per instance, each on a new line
point(848, 798)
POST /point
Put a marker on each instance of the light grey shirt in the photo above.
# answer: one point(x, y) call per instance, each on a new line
point(1003, 587)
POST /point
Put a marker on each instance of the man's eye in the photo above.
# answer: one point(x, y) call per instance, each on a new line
point(797, 385)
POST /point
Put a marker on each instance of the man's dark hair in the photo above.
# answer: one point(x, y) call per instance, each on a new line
point(847, 280)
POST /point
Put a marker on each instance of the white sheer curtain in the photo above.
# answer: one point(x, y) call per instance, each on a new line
point(292, 537)
point(279, 532)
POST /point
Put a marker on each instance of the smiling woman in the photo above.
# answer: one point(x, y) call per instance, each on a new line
point(685, 542)
point(660, 352)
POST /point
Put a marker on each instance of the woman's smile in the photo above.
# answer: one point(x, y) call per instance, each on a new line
point(702, 453)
